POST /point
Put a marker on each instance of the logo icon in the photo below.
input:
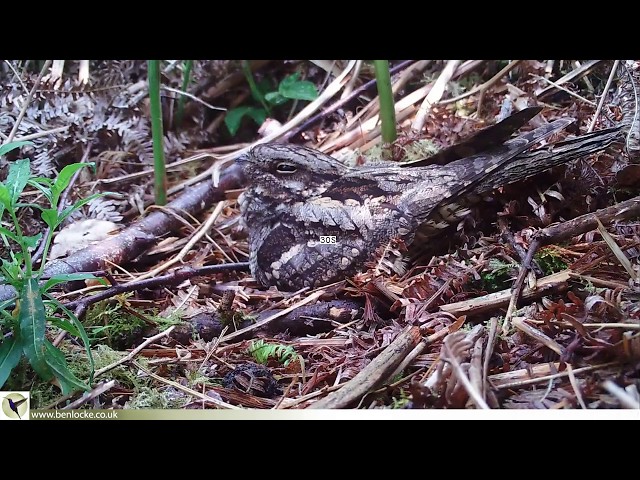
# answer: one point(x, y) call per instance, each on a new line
point(14, 406)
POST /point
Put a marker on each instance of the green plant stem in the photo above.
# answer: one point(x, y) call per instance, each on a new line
point(387, 110)
point(246, 69)
point(28, 266)
point(45, 251)
point(160, 173)
point(186, 78)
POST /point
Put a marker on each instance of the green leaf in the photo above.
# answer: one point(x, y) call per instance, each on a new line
point(81, 332)
point(10, 234)
point(10, 353)
point(32, 241)
point(35, 206)
point(258, 115)
point(234, 117)
point(5, 197)
point(19, 173)
point(265, 86)
point(32, 320)
point(79, 204)
point(12, 273)
point(68, 277)
point(64, 324)
point(44, 185)
point(291, 87)
point(64, 177)
point(69, 383)
point(7, 147)
point(50, 217)
point(275, 98)
point(41, 181)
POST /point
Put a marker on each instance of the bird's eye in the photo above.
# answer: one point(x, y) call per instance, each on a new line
point(286, 168)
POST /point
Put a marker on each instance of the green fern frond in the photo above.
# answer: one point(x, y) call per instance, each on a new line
point(262, 352)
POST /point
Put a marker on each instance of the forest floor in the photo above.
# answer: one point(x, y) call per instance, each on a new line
point(451, 332)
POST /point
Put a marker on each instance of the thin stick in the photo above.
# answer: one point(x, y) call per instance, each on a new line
point(572, 75)
point(626, 400)
point(135, 351)
point(192, 241)
point(270, 318)
point(500, 299)
point(617, 251)
point(403, 108)
point(492, 81)
point(176, 385)
point(373, 374)
point(530, 381)
point(575, 386)
point(99, 390)
point(435, 94)
point(491, 341)
point(520, 324)
point(286, 392)
point(475, 396)
point(292, 402)
point(348, 88)
point(192, 97)
point(565, 90)
point(424, 344)
point(23, 111)
point(43, 133)
point(604, 95)
point(15, 72)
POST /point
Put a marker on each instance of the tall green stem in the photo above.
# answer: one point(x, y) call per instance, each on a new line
point(257, 94)
point(182, 99)
point(387, 110)
point(160, 173)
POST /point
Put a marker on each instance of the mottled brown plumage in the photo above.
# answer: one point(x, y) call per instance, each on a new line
point(296, 195)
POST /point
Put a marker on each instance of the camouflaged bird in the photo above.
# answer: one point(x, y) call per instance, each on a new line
point(299, 201)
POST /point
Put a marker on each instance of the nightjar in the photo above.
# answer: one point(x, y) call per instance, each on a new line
point(313, 220)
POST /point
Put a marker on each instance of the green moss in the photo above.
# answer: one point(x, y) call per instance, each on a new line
point(499, 275)
point(549, 261)
point(108, 322)
point(400, 401)
point(419, 149)
point(119, 327)
point(149, 397)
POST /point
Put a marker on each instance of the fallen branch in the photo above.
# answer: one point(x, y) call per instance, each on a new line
point(536, 374)
point(493, 301)
point(270, 318)
point(375, 373)
point(132, 241)
point(174, 278)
